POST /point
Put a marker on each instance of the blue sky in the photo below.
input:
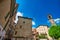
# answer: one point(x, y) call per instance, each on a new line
point(39, 9)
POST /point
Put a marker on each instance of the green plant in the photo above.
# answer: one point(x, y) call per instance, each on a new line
point(42, 36)
point(54, 31)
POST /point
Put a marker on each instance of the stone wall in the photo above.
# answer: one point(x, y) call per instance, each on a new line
point(23, 28)
point(4, 10)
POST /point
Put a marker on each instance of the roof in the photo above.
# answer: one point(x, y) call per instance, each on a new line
point(24, 17)
point(43, 25)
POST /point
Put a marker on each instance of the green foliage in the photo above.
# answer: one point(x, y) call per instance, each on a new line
point(42, 36)
point(54, 31)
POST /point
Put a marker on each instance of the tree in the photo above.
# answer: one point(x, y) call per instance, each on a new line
point(54, 31)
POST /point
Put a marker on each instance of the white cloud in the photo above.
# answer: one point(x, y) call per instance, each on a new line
point(33, 23)
point(21, 14)
point(18, 14)
point(33, 27)
point(57, 20)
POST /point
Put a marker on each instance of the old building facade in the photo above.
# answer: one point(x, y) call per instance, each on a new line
point(35, 34)
point(4, 4)
point(23, 29)
point(8, 9)
point(43, 29)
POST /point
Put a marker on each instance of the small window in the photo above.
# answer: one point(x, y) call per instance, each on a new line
point(20, 26)
point(23, 21)
point(15, 32)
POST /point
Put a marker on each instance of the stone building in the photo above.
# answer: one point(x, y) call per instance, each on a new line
point(8, 9)
point(4, 10)
point(12, 18)
point(43, 30)
point(23, 30)
point(35, 34)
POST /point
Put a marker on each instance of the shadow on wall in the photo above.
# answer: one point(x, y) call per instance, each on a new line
point(1, 1)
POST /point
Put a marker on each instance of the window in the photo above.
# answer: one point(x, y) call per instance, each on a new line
point(20, 26)
point(15, 32)
point(23, 21)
